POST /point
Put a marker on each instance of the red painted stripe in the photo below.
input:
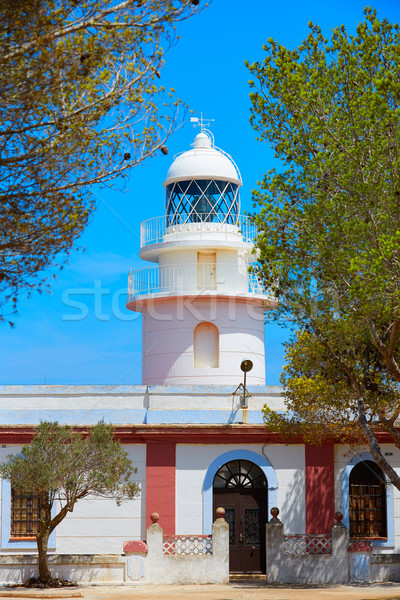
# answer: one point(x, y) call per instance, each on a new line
point(320, 488)
point(160, 484)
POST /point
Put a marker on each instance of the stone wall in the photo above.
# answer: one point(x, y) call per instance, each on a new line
point(284, 566)
point(164, 567)
point(325, 559)
point(141, 563)
point(384, 567)
point(106, 569)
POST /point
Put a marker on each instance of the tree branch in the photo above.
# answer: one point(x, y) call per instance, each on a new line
point(374, 446)
point(387, 353)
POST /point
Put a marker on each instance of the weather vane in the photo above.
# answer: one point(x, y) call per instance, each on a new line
point(200, 121)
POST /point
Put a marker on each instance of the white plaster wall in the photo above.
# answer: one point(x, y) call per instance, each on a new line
point(192, 462)
point(98, 525)
point(178, 268)
point(343, 454)
point(75, 406)
point(232, 272)
point(48, 399)
point(4, 452)
point(195, 234)
point(184, 256)
point(188, 255)
point(175, 398)
point(168, 341)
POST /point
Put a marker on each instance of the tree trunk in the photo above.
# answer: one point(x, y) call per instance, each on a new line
point(376, 450)
point(47, 525)
point(42, 544)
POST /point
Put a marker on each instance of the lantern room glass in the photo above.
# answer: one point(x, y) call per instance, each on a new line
point(202, 200)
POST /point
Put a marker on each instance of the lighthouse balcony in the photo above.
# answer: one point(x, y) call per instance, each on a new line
point(197, 226)
point(193, 279)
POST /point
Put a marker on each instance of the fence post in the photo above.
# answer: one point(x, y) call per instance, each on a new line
point(274, 548)
point(155, 541)
point(220, 544)
point(339, 550)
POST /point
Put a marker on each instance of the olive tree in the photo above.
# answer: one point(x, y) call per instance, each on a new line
point(62, 467)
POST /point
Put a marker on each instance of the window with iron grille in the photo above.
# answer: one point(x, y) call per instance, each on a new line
point(367, 501)
point(25, 513)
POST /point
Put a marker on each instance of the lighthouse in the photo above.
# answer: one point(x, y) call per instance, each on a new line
point(203, 310)
point(196, 443)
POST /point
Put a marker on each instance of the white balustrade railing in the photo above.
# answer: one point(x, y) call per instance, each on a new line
point(255, 286)
point(153, 231)
point(193, 279)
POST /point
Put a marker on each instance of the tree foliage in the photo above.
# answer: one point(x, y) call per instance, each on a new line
point(63, 467)
point(329, 227)
point(82, 104)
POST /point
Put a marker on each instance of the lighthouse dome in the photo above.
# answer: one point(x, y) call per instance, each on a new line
point(202, 184)
point(203, 161)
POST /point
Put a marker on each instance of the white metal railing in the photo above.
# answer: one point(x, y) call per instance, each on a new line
point(193, 279)
point(153, 230)
point(255, 286)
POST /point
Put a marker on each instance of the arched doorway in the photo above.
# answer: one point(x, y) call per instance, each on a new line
point(241, 487)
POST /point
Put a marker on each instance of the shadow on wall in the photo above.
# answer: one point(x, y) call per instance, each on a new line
point(143, 510)
point(292, 508)
point(308, 503)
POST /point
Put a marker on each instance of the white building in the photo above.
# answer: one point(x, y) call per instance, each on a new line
point(195, 443)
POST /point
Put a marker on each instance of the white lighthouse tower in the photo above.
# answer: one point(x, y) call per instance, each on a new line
point(203, 312)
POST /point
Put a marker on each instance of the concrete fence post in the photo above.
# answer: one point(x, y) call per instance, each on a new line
point(339, 550)
point(155, 542)
point(274, 548)
point(220, 544)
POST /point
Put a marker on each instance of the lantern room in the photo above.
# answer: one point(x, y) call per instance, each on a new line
point(202, 185)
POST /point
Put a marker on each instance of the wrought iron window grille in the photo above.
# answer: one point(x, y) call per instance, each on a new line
point(25, 514)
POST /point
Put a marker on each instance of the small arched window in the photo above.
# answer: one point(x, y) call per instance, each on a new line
point(367, 496)
point(206, 345)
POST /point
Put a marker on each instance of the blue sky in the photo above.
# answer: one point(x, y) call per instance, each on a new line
point(206, 67)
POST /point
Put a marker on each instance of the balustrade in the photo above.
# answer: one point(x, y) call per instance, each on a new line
point(158, 229)
point(193, 279)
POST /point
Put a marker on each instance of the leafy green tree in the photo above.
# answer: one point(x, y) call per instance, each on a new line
point(82, 105)
point(62, 467)
point(329, 227)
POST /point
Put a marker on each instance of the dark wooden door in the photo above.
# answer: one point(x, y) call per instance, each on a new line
point(246, 513)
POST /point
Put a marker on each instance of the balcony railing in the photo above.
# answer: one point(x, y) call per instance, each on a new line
point(165, 280)
point(153, 231)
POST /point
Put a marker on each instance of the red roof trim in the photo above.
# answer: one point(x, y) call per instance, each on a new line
point(180, 434)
